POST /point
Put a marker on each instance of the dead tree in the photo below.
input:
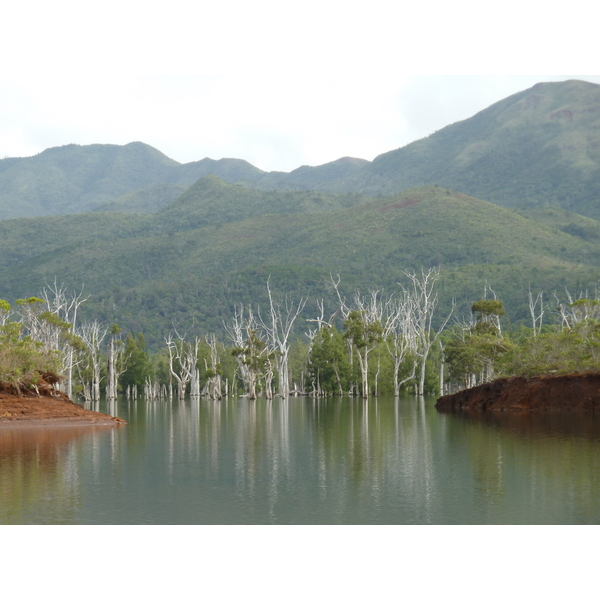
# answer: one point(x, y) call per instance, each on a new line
point(213, 385)
point(116, 363)
point(65, 306)
point(422, 293)
point(537, 313)
point(579, 308)
point(363, 328)
point(401, 338)
point(182, 360)
point(278, 328)
point(250, 350)
point(92, 335)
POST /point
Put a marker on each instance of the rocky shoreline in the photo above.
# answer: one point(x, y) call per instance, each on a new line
point(574, 391)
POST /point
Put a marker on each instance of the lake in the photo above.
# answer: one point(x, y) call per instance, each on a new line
point(304, 461)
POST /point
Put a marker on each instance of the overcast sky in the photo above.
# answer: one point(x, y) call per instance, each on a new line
point(279, 84)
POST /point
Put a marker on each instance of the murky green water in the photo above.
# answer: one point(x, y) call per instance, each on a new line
point(304, 461)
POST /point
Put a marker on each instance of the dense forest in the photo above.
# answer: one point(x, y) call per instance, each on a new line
point(192, 262)
point(370, 345)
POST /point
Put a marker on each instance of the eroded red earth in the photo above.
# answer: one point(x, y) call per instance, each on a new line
point(45, 406)
point(576, 391)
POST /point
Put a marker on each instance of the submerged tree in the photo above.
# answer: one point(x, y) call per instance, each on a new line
point(278, 328)
point(363, 330)
point(250, 350)
point(183, 356)
point(139, 366)
point(116, 364)
point(92, 335)
point(213, 387)
point(424, 298)
point(328, 363)
point(401, 337)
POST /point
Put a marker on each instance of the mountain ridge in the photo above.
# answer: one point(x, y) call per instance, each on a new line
point(537, 148)
point(507, 153)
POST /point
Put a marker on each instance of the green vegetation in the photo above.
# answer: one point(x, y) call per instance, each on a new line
point(147, 272)
point(211, 201)
point(358, 359)
point(537, 148)
point(162, 245)
point(148, 200)
point(22, 359)
point(480, 352)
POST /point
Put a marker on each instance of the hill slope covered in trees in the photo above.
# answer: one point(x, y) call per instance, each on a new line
point(147, 271)
point(540, 147)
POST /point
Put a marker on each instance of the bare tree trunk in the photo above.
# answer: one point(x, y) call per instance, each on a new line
point(363, 363)
point(442, 364)
point(279, 329)
point(425, 302)
point(93, 335)
point(195, 383)
point(184, 355)
point(537, 314)
point(111, 392)
point(214, 382)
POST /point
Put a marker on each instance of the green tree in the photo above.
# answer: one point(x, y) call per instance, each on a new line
point(139, 364)
point(22, 359)
point(363, 334)
point(488, 313)
point(328, 362)
point(253, 358)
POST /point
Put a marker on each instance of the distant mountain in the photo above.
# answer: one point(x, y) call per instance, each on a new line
point(75, 179)
point(232, 170)
point(148, 200)
point(537, 148)
point(132, 178)
point(211, 201)
point(310, 178)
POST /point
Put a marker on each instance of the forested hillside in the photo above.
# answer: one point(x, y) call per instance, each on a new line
point(76, 179)
point(147, 271)
point(540, 147)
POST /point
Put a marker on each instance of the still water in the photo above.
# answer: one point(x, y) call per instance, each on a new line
point(304, 461)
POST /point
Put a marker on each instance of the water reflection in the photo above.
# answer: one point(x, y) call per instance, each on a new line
point(39, 472)
point(305, 460)
point(555, 456)
point(548, 423)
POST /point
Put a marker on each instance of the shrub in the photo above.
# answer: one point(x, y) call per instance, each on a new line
point(22, 360)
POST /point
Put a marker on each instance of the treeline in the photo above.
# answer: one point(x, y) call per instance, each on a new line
point(370, 344)
point(564, 337)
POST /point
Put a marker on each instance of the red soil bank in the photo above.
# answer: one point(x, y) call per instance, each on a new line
point(45, 406)
point(576, 391)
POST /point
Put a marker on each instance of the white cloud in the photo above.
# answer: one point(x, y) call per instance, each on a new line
point(278, 84)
